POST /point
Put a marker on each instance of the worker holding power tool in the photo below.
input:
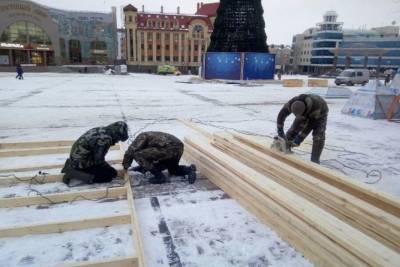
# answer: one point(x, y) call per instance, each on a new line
point(311, 113)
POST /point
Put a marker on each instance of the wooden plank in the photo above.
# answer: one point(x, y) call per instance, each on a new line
point(63, 226)
point(128, 261)
point(375, 222)
point(39, 179)
point(195, 127)
point(45, 167)
point(134, 217)
point(377, 198)
point(314, 245)
point(361, 245)
point(36, 144)
point(39, 151)
point(63, 197)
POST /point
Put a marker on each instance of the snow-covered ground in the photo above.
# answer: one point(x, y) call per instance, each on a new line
point(51, 106)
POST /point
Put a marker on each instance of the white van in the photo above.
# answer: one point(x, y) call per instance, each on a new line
point(353, 76)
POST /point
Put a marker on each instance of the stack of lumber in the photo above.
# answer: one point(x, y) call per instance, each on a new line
point(124, 191)
point(331, 219)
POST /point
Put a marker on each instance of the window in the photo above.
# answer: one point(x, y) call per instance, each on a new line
point(150, 58)
point(196, 59)
point(150, 46)
point(149, 36)
point(167, 58)
point(75, 55)
point(158, 36)
point(158, 47)
point(130, 19)
point(359, 74)
point(25, 32)
point(158, 58)
point(176, 59)
point(166, 47)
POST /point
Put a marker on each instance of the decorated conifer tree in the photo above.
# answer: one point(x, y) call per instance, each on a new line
point(239, 27)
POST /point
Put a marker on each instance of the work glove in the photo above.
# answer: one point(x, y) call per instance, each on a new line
point(296, 142)
point(281, 133)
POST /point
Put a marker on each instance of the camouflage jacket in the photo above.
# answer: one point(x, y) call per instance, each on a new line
point(159, 141)
point(316, 108)
point(91, 148)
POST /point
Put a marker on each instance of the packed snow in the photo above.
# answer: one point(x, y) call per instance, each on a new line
point(205, 227)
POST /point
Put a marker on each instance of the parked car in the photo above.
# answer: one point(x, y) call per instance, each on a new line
point(168, 69)
point(351, 77)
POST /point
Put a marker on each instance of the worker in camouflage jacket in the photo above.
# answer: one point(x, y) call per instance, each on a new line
point(155, 152)
point(311, 113)
point(87, 158)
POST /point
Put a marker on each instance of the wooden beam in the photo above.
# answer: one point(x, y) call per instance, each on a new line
point(377, 198)
point(361, 245)
point(37, 144)
point(63, 197)
point(128, 261)
point(314, 245)
point(134, 217)
point(64, 226)
point(195, 127)
point(373, 221)
point(39, 179)
point(45, 167)
point(39, 151)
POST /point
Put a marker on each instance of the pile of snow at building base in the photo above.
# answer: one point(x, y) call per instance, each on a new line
point(331, 92)
point(373, 100)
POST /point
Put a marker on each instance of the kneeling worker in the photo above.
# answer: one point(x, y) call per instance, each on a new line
point(87, 158)
point(311, 113)
point(155, 152)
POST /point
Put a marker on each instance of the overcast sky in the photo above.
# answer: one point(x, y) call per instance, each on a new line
point(283, 18)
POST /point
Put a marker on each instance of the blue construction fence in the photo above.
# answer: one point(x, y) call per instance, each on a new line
point(238, 66)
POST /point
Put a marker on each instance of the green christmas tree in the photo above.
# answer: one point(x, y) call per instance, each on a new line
point(239, 27)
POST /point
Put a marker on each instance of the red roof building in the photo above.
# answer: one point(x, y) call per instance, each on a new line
point(159, 38)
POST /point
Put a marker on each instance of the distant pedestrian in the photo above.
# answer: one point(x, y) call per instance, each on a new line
point(387, 79)
point(20, 72)
point(279, 76)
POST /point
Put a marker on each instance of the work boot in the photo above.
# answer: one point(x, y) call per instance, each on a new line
point(317, 147)
point(138, 169)
point(159, 177)
point(192, 176)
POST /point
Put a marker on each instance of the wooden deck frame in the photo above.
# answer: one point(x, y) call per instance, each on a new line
point(64, 226)
point(57, 147)
point(40, 179)
point(113, 262)
point(39, 167)
point(24, 152)
point(363, 247)
point(56, 198)
point(373, 221)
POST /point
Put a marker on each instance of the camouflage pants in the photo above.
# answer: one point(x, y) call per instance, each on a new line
point(303, 128)
point(160, 158)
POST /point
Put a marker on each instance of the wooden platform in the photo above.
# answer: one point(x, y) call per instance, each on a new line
point(25, 149)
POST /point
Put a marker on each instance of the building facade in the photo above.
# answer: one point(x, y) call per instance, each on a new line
point(328, 46)
point(159, 38)
point(35, 34)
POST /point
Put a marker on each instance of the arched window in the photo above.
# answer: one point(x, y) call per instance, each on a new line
point(25, 32)
point(75, 55)
point(198, 31)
